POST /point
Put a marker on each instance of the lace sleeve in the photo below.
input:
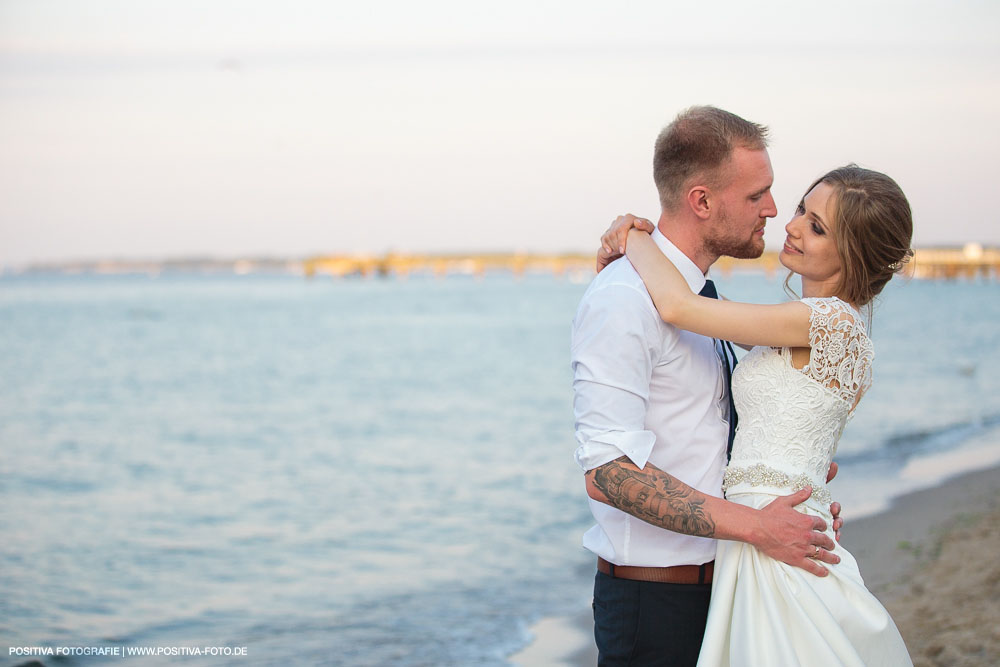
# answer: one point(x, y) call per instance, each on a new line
point(842, 354)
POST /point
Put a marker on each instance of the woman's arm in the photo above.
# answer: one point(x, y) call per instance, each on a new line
point(740, 345)
point(782, 325)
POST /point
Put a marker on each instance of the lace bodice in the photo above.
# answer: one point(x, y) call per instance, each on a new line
point(790, 419)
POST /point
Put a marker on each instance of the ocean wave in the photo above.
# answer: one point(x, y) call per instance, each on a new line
point(905, 445)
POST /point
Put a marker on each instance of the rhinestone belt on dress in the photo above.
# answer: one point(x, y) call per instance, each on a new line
point(762, 475)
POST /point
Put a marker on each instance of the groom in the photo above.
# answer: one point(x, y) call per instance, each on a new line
point(652, 408)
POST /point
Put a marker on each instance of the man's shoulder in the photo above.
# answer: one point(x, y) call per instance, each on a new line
point(618, 289)
point(618, 275)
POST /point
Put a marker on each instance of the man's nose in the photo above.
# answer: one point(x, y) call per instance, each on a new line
point(770, 208)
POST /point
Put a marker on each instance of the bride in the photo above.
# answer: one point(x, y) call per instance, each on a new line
point(794, 392)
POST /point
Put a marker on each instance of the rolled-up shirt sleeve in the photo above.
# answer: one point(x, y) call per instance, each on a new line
point(616, 343)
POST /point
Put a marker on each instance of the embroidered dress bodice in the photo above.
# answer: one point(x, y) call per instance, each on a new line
point(791, 418)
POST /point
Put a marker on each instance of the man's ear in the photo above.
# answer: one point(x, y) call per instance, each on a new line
point(699, 198)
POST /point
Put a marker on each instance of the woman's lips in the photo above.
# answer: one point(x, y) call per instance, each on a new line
point(790, 248)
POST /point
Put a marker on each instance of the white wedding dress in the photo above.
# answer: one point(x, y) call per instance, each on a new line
point(765, 613)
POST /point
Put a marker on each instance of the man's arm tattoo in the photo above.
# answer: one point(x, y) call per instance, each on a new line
point(658, 499)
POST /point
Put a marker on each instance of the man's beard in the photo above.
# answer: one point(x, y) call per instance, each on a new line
point(719, 244)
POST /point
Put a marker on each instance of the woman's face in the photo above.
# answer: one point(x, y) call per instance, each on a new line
point(810, 248)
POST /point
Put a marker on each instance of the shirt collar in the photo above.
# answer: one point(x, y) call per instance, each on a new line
point(692, 274)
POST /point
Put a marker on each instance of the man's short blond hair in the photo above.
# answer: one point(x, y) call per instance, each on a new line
point(697, 144)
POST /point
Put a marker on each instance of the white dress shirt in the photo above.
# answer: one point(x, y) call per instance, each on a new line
point(654, 393)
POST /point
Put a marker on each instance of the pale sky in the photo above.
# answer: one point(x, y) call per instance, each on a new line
point(149, 129)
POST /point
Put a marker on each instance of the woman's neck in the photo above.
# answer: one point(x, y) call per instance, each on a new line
point(818, 288)
point(821, 289)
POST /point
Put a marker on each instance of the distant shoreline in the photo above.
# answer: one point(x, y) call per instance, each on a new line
point(969, 261)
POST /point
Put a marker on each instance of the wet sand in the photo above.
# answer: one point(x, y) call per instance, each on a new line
point(933, 561)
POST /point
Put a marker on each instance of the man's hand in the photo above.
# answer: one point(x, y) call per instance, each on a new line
point(792, 537)
point(613, 240)
point(838, 523)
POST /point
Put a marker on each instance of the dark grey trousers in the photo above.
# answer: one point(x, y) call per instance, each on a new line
point(639, 623)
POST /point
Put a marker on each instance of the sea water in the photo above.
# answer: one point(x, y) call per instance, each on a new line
point(363, 472)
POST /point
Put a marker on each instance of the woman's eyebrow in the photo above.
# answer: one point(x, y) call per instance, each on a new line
point(817, 218)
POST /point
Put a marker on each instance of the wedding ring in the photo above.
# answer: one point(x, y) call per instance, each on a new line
point(816, 554)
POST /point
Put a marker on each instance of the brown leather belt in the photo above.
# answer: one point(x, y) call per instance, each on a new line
point(678, 574)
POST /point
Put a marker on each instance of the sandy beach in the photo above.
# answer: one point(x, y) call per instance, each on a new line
point(930, 558)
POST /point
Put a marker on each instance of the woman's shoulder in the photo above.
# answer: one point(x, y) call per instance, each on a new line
point(842, 353)
point(834, 311)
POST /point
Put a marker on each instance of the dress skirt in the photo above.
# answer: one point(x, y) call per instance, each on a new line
point(764, 612)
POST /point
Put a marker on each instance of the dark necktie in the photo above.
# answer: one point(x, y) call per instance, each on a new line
point(729, 361)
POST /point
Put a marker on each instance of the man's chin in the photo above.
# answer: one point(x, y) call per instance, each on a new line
point(751, 250)
point(722, 246)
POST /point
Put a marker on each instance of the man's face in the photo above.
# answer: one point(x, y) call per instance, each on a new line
point(744, 205)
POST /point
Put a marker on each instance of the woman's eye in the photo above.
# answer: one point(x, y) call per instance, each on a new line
point(817, 229)
point(800, 209)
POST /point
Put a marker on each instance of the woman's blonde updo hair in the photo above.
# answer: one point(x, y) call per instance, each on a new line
point(873, 228)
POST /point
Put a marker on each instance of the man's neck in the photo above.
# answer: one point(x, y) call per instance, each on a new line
point(685, 235)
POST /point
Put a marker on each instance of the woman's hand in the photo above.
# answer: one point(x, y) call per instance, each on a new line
point(613, 241)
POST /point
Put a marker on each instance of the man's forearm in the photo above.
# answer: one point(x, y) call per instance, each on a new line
point(662, 500)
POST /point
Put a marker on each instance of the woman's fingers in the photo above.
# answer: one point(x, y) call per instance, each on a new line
point(605, 257)
point(609, 239)
point(644, 225)
point(624, 223)
point(613, 240)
